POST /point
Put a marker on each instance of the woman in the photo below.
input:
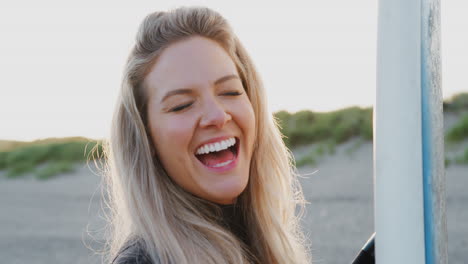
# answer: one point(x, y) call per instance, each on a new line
point(198, 170)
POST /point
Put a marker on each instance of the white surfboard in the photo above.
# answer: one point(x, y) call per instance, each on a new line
point(408, 135)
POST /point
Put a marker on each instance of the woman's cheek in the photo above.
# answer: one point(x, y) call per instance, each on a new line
point(246, 112)
point(179, 128)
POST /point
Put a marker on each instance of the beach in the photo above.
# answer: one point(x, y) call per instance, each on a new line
point(60, 220)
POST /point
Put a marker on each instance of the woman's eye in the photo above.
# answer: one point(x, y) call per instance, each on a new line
point(233, 93)
point(180, 107)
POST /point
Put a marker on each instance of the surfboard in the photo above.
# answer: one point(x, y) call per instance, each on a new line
point(409, 180)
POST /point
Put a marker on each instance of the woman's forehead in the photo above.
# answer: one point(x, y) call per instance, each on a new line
point(197, 61)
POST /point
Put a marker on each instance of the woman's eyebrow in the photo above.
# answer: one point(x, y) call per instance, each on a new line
point(190, 91)
point(178, 91)
point(226, 78)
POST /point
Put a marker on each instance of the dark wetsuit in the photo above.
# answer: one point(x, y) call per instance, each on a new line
point(133, 252)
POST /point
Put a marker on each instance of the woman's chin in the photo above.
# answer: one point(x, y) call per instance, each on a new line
point(226, 194)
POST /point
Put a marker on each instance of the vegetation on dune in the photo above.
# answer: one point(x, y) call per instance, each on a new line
point(459, 131)
point(306, 127)
point(47, 158)
point(323, 131)
point(7, 145)
point(54, 168)
point(458, 103)
point(312, 157)
point(309, 159)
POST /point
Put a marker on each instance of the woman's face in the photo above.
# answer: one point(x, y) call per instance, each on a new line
point(201, 121)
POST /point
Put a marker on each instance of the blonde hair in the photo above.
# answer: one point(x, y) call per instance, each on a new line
point(177, 227)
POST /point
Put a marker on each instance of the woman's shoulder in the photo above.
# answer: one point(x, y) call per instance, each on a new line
point(132, 253)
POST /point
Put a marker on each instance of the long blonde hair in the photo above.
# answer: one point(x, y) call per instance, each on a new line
point(177, 227)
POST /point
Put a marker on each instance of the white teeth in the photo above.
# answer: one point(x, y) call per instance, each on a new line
point(218, 146)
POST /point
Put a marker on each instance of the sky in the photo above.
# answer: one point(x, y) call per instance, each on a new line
point(61, 62)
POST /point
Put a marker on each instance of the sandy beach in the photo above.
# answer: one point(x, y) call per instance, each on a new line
point(52, 221)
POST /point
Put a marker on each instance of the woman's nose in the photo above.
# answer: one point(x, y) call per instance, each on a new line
point(214, 114)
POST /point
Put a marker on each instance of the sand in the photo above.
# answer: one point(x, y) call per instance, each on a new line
point(47, 221)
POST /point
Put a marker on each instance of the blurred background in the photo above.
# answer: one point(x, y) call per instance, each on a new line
point(61, 65)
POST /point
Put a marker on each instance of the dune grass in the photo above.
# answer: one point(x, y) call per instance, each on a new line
point(306, 127)
point(53, 169)
point(47, 158)
point(308, 159)
point(457, 103)
point(333, 128)
point(316, 152)
point(459, 131)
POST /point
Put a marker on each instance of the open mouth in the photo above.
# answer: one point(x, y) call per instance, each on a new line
point(220, 154)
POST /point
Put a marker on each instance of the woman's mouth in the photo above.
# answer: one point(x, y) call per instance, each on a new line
point(219, 155)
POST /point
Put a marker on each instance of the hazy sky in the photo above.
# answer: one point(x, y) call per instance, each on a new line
point(61, 61)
